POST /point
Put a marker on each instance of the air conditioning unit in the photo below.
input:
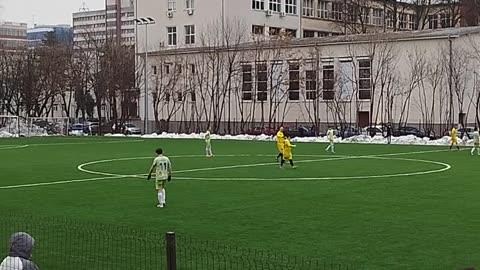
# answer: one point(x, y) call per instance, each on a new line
point(269, 12)
point(190, 11)
point(283, 14)
point(170, 14)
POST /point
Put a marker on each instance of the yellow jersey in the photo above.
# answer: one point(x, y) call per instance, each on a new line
point(287, 149)
point(280, 138)
point(454, 133)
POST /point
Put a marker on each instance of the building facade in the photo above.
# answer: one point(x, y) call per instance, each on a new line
point(116, 23)
point(427, 79)
point(61, 33)
point(13, 35)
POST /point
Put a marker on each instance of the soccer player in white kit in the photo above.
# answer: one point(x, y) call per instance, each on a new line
point(163, 174)
point(208, 144)
point(476, 142)
point(331, 137)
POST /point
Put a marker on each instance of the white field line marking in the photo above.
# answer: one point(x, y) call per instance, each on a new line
point(83, 143)
point(63, 182)
point(6, 147)
point(117, 176)
point(445, 168)
point(81, 166)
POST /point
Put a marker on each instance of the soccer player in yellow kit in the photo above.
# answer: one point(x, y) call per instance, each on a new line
point(454, 138)
point(280, 142)
point(287, 152)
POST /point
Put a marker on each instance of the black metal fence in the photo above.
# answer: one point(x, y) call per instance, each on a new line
point(73, 245)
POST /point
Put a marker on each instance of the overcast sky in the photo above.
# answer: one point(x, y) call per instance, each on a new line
point(44, 11)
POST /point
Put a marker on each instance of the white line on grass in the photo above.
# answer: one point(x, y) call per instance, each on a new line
point(6, 147)
point(63, 182)
point(110, 176)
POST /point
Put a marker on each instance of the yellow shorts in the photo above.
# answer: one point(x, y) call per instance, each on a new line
point(160, 184)
point(280, 148)
point(454, 140)
point(287, 156)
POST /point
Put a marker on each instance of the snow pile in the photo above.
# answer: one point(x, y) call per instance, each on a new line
point(11, 129)
point(410, 139)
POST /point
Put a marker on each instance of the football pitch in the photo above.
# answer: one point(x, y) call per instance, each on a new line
point(380, 206)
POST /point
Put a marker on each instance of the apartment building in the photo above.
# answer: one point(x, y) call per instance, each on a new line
point(116, 23)
point(13, 35)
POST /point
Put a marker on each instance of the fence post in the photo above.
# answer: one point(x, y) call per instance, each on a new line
point(171, 251)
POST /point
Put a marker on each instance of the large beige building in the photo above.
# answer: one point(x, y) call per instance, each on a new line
point(13, 35)
point(116, 22)
point(423, 78)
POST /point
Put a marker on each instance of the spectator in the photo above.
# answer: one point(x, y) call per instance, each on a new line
point(21, 246)
point(389, 133)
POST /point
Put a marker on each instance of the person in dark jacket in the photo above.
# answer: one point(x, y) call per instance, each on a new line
point(389, 133)
point(21, 246)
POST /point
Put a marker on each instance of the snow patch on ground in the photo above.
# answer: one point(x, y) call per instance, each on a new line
point(12, 129)
point(410, 139)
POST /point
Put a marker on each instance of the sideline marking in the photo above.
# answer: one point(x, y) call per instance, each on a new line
point(63, 182)
point(13, 146)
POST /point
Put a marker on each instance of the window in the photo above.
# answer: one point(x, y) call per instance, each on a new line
point(308, 33)
point(377, 17)
point(178, 68)
point(411, 22)
point(179, 96)
point(246, 82)
point(308, 8)
point(192, 68)
point(167, 96)
point(189, 34)
point(294, 81)
point(402, 20)
point(323, 34)
point(328, 82)
point(432, 22)
point(258, 4)
point(364, 79)
point(345, 79)
point(262, 82)
point(189, 4)
point(390, 19)
point(274, 31)
point(365, 13)
point(311, 84)
point(445, 20)
point(166, 67)
point(172, 36)
point(154, 70)
point(258, 29)
point(337, 11)
point(193, 97)
point(291, 32)
point(172, 5)
point(322, 9)
point(291, 7)
point(276, 5)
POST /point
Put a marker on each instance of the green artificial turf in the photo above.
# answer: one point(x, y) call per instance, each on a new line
point(346, 208)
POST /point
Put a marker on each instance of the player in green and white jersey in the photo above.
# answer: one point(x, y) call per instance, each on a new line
point(163, 174)
point(476, 142)
point(208, 144)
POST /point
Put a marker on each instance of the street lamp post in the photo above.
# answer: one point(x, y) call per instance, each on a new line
point(145, 21)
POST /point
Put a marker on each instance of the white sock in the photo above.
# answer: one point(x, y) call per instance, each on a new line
point(473, 151)
point(333, 147)
point(328, 147)
point(160, 197)
point(163, 196)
